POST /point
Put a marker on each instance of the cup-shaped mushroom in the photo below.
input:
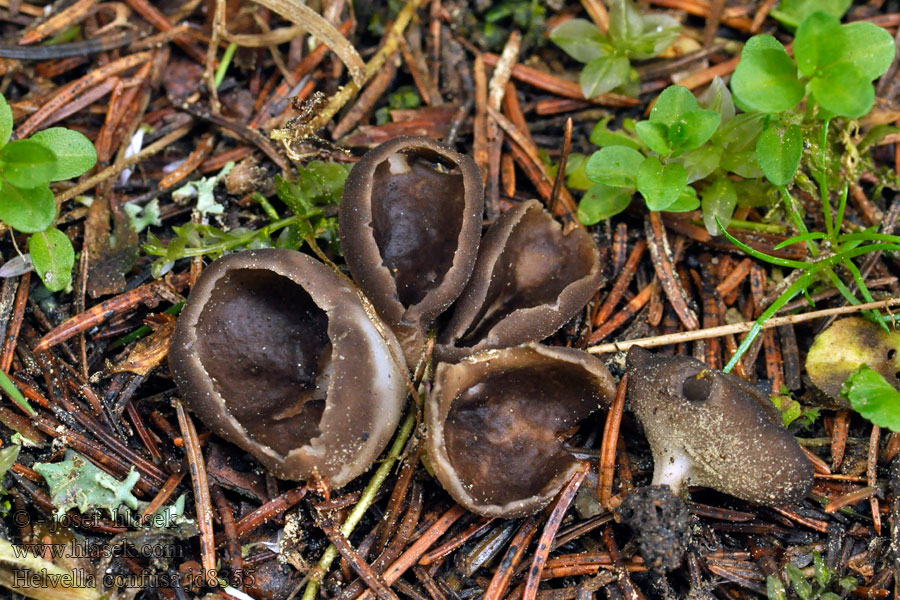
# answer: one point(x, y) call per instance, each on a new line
point(529, 279)
point(275, 353)
point(410, 223)
point(712, 429)
point(497, 422)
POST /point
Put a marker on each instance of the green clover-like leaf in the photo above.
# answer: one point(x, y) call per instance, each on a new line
point(27, 209)
point(27, 163)
point(75, 153)
point(765, 79)
point(6, 121)
point(819, 42)
point(580, 39)
point(615, 166)
point(873, 397)
point(693, 129)
point(673, 103)
point(842, 90)
point(53, 257)
point(603, 74)
point(655, 135)
point(778, 151)
point(868, 47)
point(660, 185)
point(602, 202)
point(718, 200)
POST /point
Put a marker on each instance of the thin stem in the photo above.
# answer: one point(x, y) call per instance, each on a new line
point(796, 219)
point(839, 218)
point(223, 65)
point(822, 178)
point(365, 501)
point(756, 226)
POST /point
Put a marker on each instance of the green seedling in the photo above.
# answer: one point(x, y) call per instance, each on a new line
point(870, 394)
point(608, 56)
point(833, 64)
point(818, 588)
point(317, 186)
point(791, 13)
point(27, 167)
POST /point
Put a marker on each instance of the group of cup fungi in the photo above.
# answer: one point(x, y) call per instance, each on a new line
point(307, 370)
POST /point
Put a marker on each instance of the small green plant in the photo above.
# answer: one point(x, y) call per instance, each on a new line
point(317, 186)
point(694, 153)
point(819, 588)
point(791, 13)
point(870, 394)
point(608, 56)
point(522, 15)
point(26, 202)
point(792, 412)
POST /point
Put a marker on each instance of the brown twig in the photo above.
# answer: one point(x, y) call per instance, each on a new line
point(197, 466)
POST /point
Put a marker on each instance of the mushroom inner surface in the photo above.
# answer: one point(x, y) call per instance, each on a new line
point(264, 344)
point(504, 435)
point(537, 263)
point(417, 215)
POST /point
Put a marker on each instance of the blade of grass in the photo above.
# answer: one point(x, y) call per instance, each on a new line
point(10, 388)
point(812, 235)
point(781, 262)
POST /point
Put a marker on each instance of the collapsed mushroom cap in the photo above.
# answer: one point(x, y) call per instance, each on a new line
point(496, 422)
point(275, 353)
point(847, 344)
point(410, 222)
point(529, 279)
point(713, 429)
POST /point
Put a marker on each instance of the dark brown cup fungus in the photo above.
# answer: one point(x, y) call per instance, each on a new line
point(275, 353)
point(497, 419)
point(529, 279)
point(715, 430)
point(410, 223)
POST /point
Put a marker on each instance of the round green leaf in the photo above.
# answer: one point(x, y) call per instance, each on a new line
point(660, 186)
point(6, 121)
point(27, 164)
point(581, 40)
point(655, 135)
point(625, 21)
point(718, 98)
point(75, 154)
point(687, 200)
point(778, 151)
point(659, 31)
point(791, 13)
point(873, 397)
point(718, 200)
point(693, 129)
point(601, 136)
point(602, 202)
point(700, 162)
point(27, 210)
point(868, 47)
point(603, 74)
point(819, 42)
point(615, 166)
point(765, 79)
point(674, 102)
point(52, 256)
point(843, 91)
point(741, 163)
